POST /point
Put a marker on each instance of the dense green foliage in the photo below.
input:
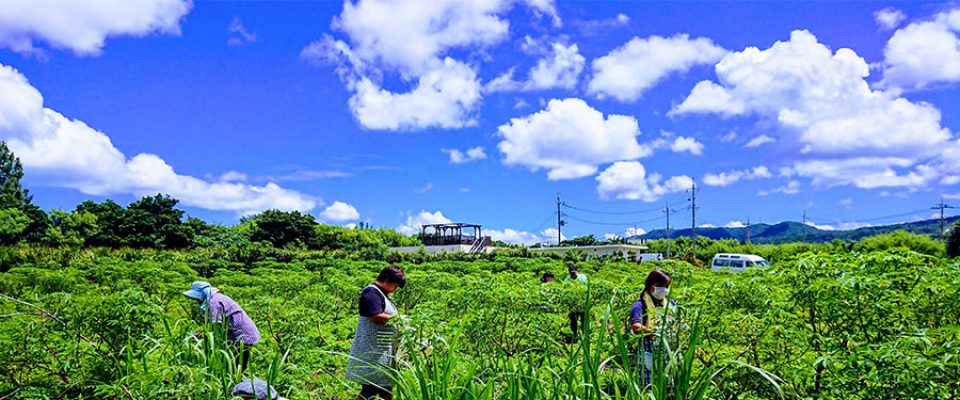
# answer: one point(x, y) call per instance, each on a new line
point(19, 218)
point(789, 231)
point(101, 323)
point(707, 248)
point(282, 229)
point(11, 172)
point(155, 222)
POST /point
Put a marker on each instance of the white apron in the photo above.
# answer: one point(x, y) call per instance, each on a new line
point(373, 349)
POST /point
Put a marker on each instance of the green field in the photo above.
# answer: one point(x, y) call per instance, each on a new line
point(823, 323)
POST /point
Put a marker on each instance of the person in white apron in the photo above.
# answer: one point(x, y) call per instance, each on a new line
point(646, 318)
point(374, 346)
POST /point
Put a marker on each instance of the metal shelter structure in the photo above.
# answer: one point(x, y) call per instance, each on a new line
point(451, 233)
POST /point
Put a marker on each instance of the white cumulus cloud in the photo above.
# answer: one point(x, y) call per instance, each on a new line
point(631, 232)
point(792, 187)
point(82, 26)
point(339, 212)
point(950, 180)
point(444, 97)
point(889, 18)
point(463, 157)
point(866, 172)
point(601, 26)
point(729, 178)
point(569, 139)
point(559, 69)
point(760, 141)
point(630, 70)
point(687, 144)
point(822, 227)
point(826, 110)
point(69, 153)
point(514, 236)
point(923, 53)
point(549, 235)
point(408, 36)
point(629, 180)
point(412, 224)
point(412, 41)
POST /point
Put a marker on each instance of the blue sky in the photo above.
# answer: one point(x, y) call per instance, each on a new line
point(483, 111)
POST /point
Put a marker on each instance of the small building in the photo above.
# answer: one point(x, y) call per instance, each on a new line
point(450, 238)
point(627, 251)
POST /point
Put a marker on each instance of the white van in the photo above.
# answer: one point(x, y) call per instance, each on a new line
point(736, 262)
point(649, 257)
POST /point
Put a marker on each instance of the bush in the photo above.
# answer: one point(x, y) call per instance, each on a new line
point(902, 240)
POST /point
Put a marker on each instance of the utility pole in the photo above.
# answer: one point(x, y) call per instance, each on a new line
point(804, 240)
point(667, 210)
point(748, 230)
point(693, 217)
point(942, 207)
point(559, 221)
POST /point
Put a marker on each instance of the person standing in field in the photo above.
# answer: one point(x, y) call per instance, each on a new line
point(576, 314)
point(547, 277)
point(219, 308)
point(374, 345)
point(575, 275)
point(646, 316)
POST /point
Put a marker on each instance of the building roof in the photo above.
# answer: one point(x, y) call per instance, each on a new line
point(594, 247)
point(450, 225)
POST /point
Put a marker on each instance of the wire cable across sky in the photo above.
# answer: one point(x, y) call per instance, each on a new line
point(627, 224)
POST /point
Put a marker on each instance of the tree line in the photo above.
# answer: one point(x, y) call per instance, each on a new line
point(156, 222)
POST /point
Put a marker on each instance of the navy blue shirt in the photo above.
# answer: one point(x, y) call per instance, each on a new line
point(371, 302)
point(638, 313)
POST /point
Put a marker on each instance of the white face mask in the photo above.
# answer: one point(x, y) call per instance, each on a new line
point(660, 293)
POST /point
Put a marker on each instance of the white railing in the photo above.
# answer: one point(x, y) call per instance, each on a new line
point(477, 246)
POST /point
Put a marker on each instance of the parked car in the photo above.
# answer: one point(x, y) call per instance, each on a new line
point(650, 257)
point(736, 262)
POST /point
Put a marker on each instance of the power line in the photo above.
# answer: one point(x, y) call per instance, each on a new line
point(610, 212)
point(872, 219)
point(632, 223)
point(544, 223)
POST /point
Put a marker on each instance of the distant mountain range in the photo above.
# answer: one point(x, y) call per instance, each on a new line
point(789, 231)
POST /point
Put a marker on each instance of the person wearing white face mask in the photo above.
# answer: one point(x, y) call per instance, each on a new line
point(647, 313)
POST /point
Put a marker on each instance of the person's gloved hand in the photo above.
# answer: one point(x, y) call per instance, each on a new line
point(426, 349)
point(403, 323)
